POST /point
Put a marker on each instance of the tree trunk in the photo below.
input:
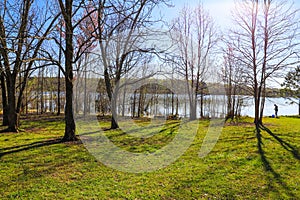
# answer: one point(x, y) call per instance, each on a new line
point(111, 96)
point(42, 91)
point(140, 104)
point(262, 105)
point(177, 105)
point(58, 93)
point(69, 115)
point(256, 111)
point(58, 74)
point(234, 106)
point(193, 110)
point(11, 106)
point(201, 104)
point(193, 113)
point(85, 94)
point(133, 104)
point(123, 101)
point(114, 120)
point(77, 91)
point(37, 100)
point(257, 104)
point(173, 105)
point(23, 86)
point(4, 100)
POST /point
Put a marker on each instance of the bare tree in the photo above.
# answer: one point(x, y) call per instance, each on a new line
point(264, 42)
point(77, 43)
point(194, 35)
point(120, 30)
point(233, 78)
point(22, 33)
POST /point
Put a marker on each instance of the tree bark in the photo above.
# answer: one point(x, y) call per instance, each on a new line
point(85, 103)
point(111, 95)
point(133, 104)
point(114, 120)
point(11, 105)
point(58, 93)
point(201, 104)
point(4, 100)
point(193, 110)
point(69, 113)
point(42, 90)
point(123, 101)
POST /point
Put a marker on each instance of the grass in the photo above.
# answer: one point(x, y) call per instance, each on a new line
point(34, 164)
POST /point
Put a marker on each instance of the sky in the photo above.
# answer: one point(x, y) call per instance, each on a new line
point(220, 10)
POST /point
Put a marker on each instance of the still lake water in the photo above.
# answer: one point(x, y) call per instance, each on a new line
point(285, 107)
point(217, 106)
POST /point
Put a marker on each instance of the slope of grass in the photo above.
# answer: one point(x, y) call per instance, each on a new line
point(35, 165)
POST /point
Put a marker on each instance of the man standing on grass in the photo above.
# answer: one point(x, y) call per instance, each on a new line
point(276, 110)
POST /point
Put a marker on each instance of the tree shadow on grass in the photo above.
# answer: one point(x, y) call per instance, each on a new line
point(267, 166)
point(283, 143)
point(19, 148)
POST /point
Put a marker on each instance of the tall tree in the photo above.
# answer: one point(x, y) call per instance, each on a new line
point(194, 34)
point(121, 29)
point(22, 33)
point(73, 15)
point(264, 42)
point(67, 13)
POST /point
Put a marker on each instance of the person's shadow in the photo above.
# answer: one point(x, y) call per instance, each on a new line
point(267, 165)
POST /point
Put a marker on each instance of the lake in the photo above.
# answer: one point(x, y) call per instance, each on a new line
point(285, 107)
point(215, 106)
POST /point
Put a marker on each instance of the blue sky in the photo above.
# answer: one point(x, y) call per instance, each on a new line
point(220, 10)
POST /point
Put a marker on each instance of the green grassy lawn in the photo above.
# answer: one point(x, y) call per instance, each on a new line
point(34, 164)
